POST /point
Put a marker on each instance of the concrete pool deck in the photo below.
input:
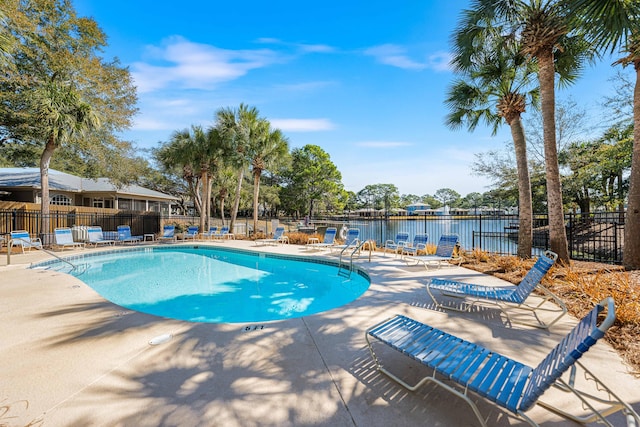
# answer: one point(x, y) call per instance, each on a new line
point(71, 358)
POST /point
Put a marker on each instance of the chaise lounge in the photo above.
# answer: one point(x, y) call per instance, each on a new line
point(505, 298)
point(461, 367)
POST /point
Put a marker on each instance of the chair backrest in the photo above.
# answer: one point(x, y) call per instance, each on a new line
point(213, 229)
point(168, 230)
point(95, 234)
point(534, 276)
point(21, 237)
point(570, 349)
point(192, 230)
point(63, 236)
point(420, 239)
point(352, 236)
point(402, 237)
point(224, 230)
point(446, 245)
point(330, 235)
point(279, 231)
point(124, 232)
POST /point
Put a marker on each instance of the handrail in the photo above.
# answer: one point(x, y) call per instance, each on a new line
point(31, 245)
point(358, 248)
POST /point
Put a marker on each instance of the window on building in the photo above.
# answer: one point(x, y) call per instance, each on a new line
point(60, 199)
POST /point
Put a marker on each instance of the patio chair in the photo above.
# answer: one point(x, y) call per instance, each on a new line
point(278, 237)
point(96, 237)
point(444, 253)
point(468, 367)
point(64, 239)
point(124, 235)
point(506, 298)
point(212, 231)
point(223, 233)
point(352, 239)
point(328, 241)
point(23, 239)
point(168, 234)
point(396, 245)
point(419, 244)
point(191, 233)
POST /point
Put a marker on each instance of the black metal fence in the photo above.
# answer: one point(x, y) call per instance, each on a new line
point(19, 219)
point(591, 236)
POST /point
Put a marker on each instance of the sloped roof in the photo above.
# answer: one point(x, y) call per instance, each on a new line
point(30, 178)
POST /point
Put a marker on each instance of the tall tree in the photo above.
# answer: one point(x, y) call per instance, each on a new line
point(542, 28)
point(497, 85)
point(239, 129)
point(267, 151)
point(312, 179)
point(59, 88)
point(613, 25)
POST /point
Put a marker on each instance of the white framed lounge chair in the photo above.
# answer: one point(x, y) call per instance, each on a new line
point(168, 234)
point(444, 253)
point(352, 239)
point(223, 233)
point(63, 237)
point(278, 237)
point(191, 233)
point(23, 239)
point(96, 237)
point(328, 240)
point(419, 244)
point(462, 368)
point(396, 245)
point(124, 235)
point(212, 232)
point(506, 298)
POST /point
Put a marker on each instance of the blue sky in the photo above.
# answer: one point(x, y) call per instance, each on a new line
point(365, 80)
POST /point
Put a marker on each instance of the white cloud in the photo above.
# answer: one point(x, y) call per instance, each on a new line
point(179, 62)
point(383, 144)
point(397, 56)
point(302, 125)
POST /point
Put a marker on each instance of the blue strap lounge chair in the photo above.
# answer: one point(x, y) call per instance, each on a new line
point(23, 239)
point(419, 244)
point(96, 237)
point(278, 237)
point(506, 298)
point(328, 241)
point(352, 239)
point(191, 233)
point(124, 235)
point(168, 234)
point(468, 367)
point(212, 231)
point(444, 252)
point(223, 233)
point(396, 245)
point(64, 239)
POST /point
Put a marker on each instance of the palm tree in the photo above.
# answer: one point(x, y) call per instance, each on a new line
point(238, 128)
point(267, 152)
point(612, 25)
point(61, 116)
point(542, 29)
point(496, 87)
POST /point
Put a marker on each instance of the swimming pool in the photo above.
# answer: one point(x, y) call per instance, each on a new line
point(215, 285)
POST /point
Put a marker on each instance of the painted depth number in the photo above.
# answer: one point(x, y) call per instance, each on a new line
point(253, 328)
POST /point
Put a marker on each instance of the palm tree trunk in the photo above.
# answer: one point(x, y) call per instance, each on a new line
point(631, 255)
point(256, 192)
point(236, 202)
point(525, 206)
point(45, 160)
point(203, 207)
point(557, 231)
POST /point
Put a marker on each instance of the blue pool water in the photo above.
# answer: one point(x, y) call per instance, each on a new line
point(202, 284)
